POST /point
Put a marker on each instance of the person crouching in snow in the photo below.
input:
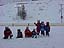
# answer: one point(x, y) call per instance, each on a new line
point(42, 28)
point(7, 33)
point(34, 34)
point(19, 34)
point(38, 24)
point(47, 28)
point(28, 33)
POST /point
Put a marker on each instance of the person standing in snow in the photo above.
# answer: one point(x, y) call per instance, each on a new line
point(38, 25)
point(47, 28)
point(34, 34)
point(42, 28)
point(7, 33)
point(19, 34)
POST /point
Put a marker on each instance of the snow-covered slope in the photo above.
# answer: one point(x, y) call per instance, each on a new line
point(38, 10)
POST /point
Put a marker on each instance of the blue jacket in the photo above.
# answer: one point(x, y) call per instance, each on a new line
point(42, 27)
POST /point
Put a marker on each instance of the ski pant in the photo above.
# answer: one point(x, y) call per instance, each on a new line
point(47, 33)
point(34, 36)
point(6, 37)
point(42, 33)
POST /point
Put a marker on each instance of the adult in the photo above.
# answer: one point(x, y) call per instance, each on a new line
point(38, 26)
point(28, 33)
point(7, 33)
point(42, 28)
point(47, 28)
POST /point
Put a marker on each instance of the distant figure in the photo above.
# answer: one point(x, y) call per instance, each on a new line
point(28, 33)
point(19, 34)
point(7, 33)
point(34, 34)
point(38, 24)
point(47, 28)
point(23, 13)
point(42, 28)
point(61, 19)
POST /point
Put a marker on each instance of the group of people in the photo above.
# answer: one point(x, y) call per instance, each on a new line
point(42, 28)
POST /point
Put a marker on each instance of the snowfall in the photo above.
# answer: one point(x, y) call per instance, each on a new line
point(46, 10)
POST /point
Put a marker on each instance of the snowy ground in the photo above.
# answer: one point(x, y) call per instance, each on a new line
point(46, 10)
point(56, 39)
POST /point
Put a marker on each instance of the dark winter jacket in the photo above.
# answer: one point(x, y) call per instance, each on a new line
point(7, 32)
point(42, 27)
point(38, 27)
point(47, 28)
point(33, 32)
point(19, 35)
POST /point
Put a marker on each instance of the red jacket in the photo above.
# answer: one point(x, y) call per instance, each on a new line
point(28, 33)
point(27, 30)
point(38, 27)
point(7, 33)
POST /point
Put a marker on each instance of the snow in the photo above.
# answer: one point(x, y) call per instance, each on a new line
point(38, 10)
point(46, 10)
point(56, 39)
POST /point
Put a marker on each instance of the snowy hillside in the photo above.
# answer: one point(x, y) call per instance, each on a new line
point(38, 10)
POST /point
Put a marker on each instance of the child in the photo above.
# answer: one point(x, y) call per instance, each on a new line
point(42, 28)
point(19, 34)
point(47, 28)
point(34, 34)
